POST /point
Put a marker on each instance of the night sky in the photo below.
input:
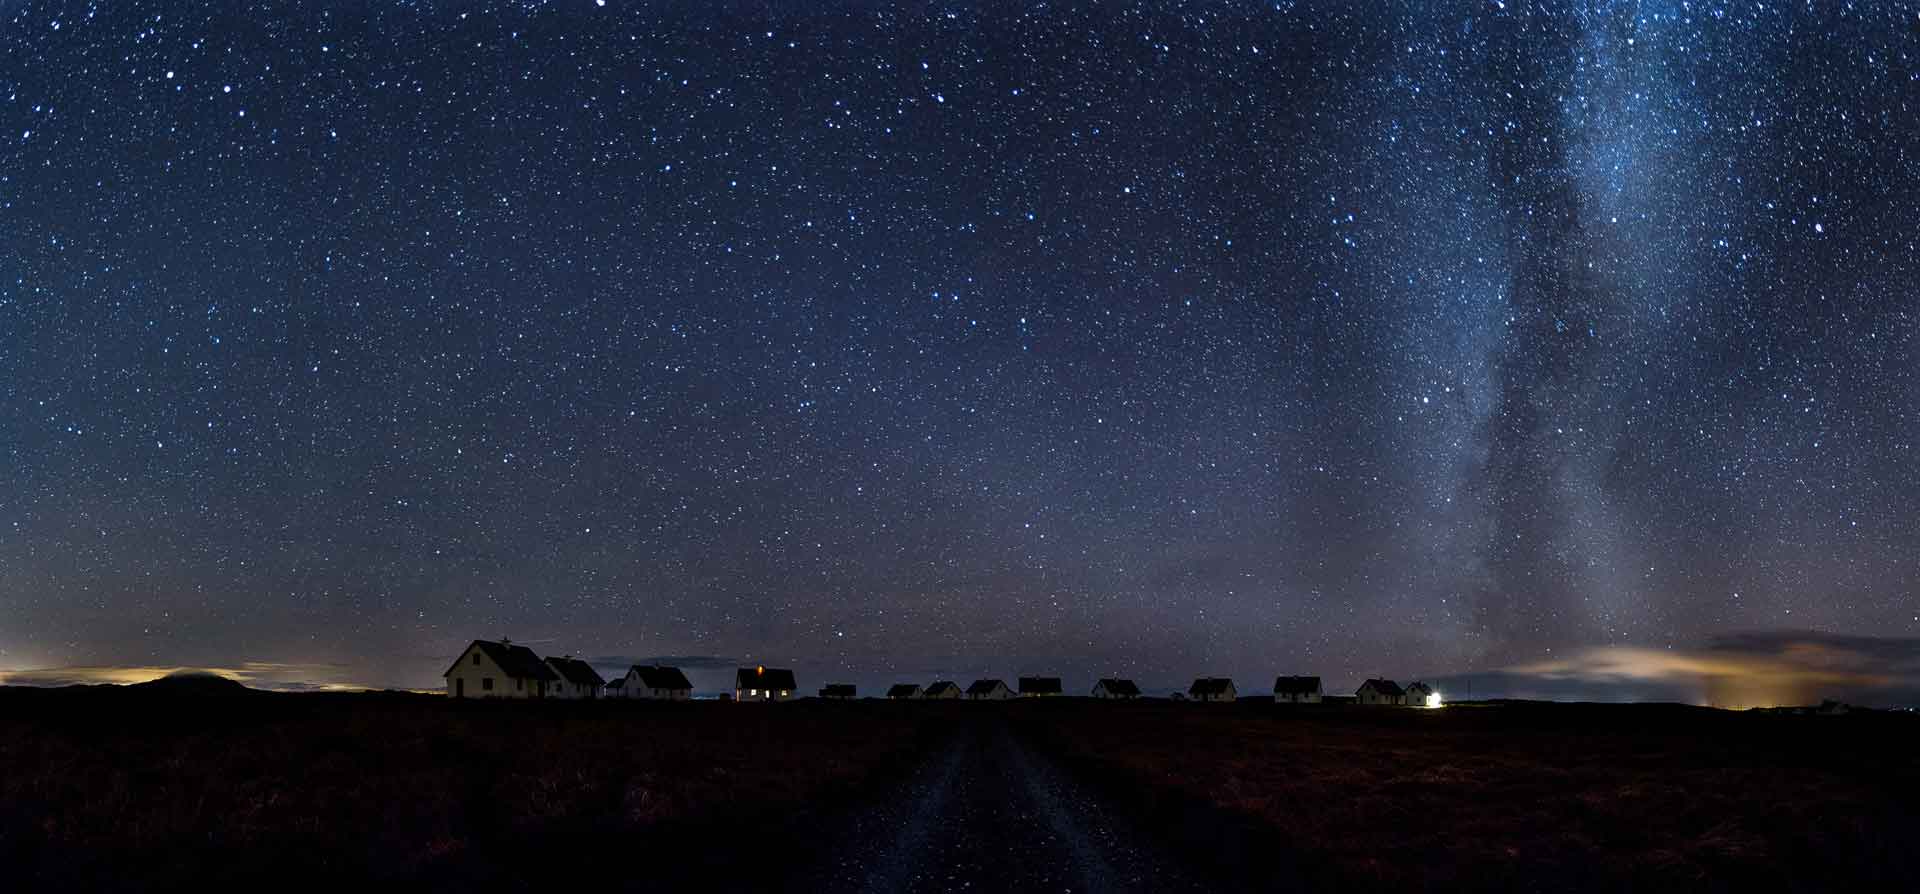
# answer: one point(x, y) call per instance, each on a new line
point(1155, 339)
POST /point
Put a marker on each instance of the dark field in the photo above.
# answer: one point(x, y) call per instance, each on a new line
point(114, 790)
point(109, 789)
point(1516, 797)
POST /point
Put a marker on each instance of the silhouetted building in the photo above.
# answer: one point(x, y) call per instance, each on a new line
point(647, 681)
point(487, 669)
point(1296, 690)
point(1212, 689)
point(943, 689)
point(988, 691)
point(763, 684)
point(1377, 691)
point(1031, 687)
point(1113, 687)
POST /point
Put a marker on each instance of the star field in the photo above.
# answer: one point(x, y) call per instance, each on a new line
point(1156, 338)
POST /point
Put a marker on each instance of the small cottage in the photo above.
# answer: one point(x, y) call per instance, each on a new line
point(658, 682)
point(1377, 691)
point(488, 669)
point(988, 691)
point(763, 684)
point(1113, 687)
point(1296, 690)
point(1034, 687)
point(943, 689)
point(577, 679)
point(904, 691)
point(1213, 689)
point(837, 691)
point(1420, 695)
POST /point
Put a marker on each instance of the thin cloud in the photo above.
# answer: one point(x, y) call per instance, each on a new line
point(279, 676)
point(1740, 670)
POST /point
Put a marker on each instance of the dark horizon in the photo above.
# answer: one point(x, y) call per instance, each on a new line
point(1566, 348)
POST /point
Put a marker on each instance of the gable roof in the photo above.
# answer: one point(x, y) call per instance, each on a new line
point(942, 687)
point(1116, 686)
point(983, 687)
point(1420, 686)
point(1384, 687)
point(661, 677)
point(514, 661)
point(573, 670)
point(903, 690)
point(1039, 685)
point(1296, 685)
point(1210, 686)
point(765, 678)
point(837, 690)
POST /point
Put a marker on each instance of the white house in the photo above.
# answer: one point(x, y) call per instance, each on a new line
point(1377, 691)
point(657, 682)
point(903, 691)
point(988, 691)
point(1113, 687)
point(764, 684)
point(487, 669)
point(1296, 690)
point(1213, 689)
point(943, 689)
point(1420, 695)
point(577, 679)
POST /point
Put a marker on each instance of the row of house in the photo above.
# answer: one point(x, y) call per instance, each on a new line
point(487, 669)
point(1286, 690)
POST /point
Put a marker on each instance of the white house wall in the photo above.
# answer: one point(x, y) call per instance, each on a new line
point(476, 675)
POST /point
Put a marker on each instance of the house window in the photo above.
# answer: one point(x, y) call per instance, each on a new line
point(476, 659)
point(519, 685)
point(486, 683)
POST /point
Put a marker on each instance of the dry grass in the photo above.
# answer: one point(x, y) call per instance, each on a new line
point(108, 790)
point(1558, 797)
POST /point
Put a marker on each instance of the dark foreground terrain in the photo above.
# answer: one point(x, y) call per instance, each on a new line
point(111, 789)
point(1521, 797)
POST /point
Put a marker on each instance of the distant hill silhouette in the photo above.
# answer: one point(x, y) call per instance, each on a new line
point(191, 683)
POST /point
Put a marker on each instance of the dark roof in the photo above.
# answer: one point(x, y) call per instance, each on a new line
point(838, 690)
point(1116, 686)
point(661, 677)
point(1039, 685)
point(573, 670)
point(1418, 685)
point(1301, 685)
point(1384, 687)
point(765, 678)
point(1210, 686)
point(903, 690)
point(514, 661)
point(942, 686)
point(982, 687)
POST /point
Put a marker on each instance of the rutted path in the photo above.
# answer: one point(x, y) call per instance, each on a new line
point(988, 813)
